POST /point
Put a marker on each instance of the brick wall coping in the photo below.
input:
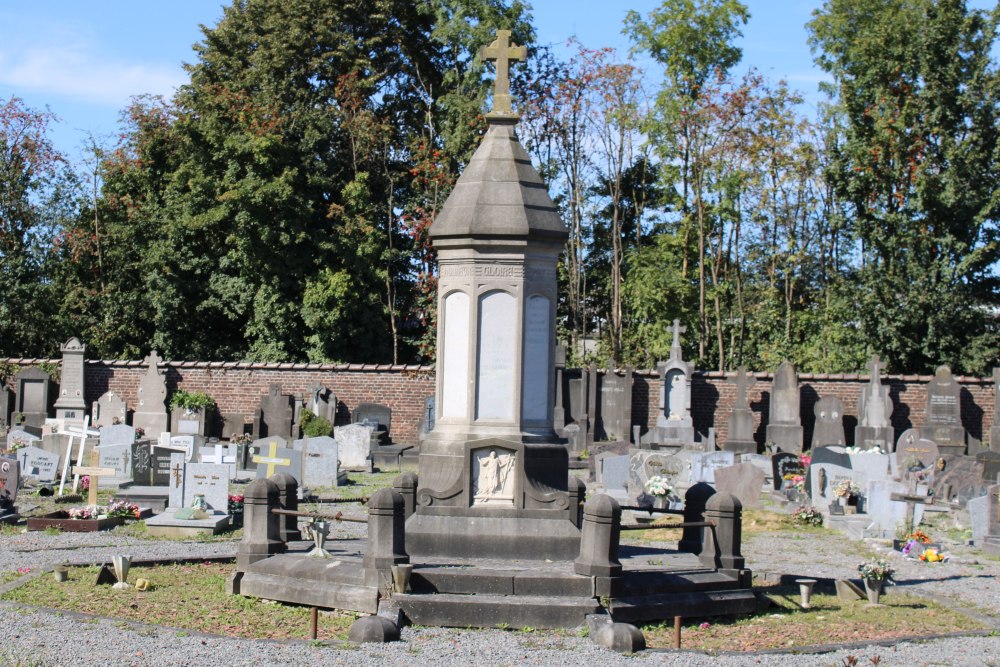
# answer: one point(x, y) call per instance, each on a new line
point(399, 368)
point(237, 365)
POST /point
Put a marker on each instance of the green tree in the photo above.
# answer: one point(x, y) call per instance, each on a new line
point(917, 161)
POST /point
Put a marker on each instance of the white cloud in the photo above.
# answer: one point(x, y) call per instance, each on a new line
point(74, 69)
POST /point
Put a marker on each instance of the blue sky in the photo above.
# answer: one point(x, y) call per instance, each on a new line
point(85, 60)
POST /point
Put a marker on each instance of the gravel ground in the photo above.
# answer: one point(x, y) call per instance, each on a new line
point(40, 638)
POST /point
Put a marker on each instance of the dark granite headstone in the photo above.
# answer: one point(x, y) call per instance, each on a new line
point(741, 428)
point(275, 415)
point(234, 423)
point(430, 415)
point(991, 466)
point(142, 464)
point(942, 423)
point(784, 427)
point(160, 462)
point(6, 407)
point(615, 405)
point(32, 386)
point(829, 428)
point(10, 479)
point(785, 463)
point(322, 402)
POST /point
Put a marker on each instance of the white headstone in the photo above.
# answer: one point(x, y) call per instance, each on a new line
point(354, 445)
point(38, 463)
point(117, 434)
point(321, 464)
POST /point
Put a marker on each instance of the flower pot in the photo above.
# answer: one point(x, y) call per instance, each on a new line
point(805, 590)
point(60, 574)
point(660, 502)
point(873, 589)
point(401, 577)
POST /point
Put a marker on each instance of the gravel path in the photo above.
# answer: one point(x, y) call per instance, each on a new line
point(42, 638)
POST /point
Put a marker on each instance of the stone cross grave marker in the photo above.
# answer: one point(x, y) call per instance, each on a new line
point(503, 52)
point(151, 412)
point(784, 427)
point(874, 410)
point(82, 434)
point(94, 471)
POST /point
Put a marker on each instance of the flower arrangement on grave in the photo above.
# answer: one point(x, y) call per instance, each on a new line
point(807, 515)
point(140, 432)
point(16, 443)
point(877, 569)
point(84, 513)
point(85, 483)
point(795, 481)
point(932, 555)
point(236, 509)
point(859, 450)
point(846, 489)
point(919, 536)
point(659, 487)
point(123, 509)
point(241, 438)
point(805, 460)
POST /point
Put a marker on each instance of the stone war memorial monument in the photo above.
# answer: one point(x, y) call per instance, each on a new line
point(492, 530)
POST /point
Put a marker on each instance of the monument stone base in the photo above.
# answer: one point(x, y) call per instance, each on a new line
point(869, 437)
point(787, 437)
point(949, 439)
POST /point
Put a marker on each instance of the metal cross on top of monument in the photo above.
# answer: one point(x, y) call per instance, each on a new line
point(503, 52)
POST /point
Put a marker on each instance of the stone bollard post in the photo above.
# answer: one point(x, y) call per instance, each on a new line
point(288, 489)
point(261, 528)
point(577, 492)
point(602, 520)
point(693, 538)
point(405, 485)
point(722, 543)
point(386, 536)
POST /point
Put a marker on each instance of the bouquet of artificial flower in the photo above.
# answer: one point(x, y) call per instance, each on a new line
point(846, 489)
point(658, 486)
point(876, 569)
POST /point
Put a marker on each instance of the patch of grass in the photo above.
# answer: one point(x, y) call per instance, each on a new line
point(755, 522)
point(139, 530)
point(829, 621)
point(7, 577)
point(8, 529)
point(191, 597)
point(362, 484)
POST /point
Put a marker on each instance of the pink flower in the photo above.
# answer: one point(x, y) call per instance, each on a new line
point(23, 570)
point(704, 626)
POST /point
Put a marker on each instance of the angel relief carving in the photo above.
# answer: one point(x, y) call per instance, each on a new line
point(492, 477)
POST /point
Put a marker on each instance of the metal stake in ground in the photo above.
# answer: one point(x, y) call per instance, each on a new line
point(94, 472)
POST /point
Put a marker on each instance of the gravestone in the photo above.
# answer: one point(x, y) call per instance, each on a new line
point(703, 466)
point(10, 480)
point(991, 541)
point(233, 424)
point(979, 515)
point(615, 473)
point(991, 466)
point(116, 457)
point(870, 467)
point(108, 409)
point(578, 402)
point(910, 453)
point(615, 414)
point(6, 407)
point(377, 416)
point(886, 514)
point(275, 415)
point(428, 419)
point(70, 406)
point(322, 402)
point(38, 463)
point(672, 465)
point(142, 463)
point(117, 434)
point(674, 426)
point(274, 456)
point(874, 411)
point(32, 386)
point(160, 462)
point(188, 479)
point(188, 421)
point(354, 445)
point(783, 464)
point(559, 410)
point(961, 480)
point(942, 421)
point(743, 480)
point(320, 462)
point(784, 426)
point(823, 479)
point(189, 444)
point(995, 428)
point(741, 428)
point(151, 411)
point(22, 437)
point(829, 428)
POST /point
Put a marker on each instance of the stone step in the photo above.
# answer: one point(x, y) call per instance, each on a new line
point(685, 604)
point(479, 580)
point(490, 611)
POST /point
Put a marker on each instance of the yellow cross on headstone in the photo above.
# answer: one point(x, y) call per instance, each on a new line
point(503, 52)
point(271, 459)
point(95, 472)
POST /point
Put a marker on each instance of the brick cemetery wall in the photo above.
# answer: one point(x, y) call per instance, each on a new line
point(238, 387)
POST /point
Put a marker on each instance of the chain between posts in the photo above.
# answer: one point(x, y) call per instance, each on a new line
point(686, 524)
point(333, 501)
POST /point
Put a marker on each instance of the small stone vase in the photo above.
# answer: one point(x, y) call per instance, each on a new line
point(873, 589)
point(121, 565)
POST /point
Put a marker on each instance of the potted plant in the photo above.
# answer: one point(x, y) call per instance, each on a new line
point(875, 572)
point(189, 411)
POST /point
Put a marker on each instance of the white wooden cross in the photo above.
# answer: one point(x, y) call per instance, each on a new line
point(83, 434)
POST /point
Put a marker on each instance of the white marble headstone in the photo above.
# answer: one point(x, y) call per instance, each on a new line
point(354, 445)
point(38, 463)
